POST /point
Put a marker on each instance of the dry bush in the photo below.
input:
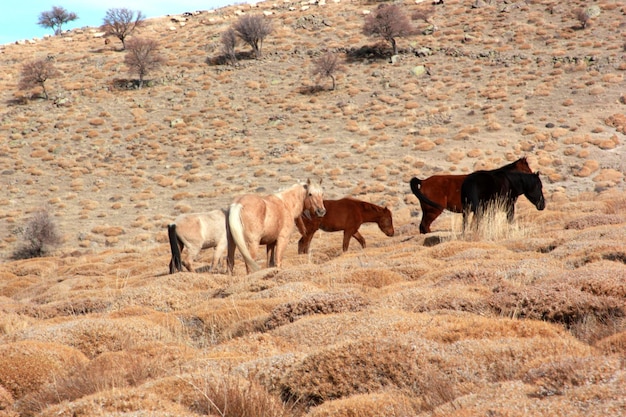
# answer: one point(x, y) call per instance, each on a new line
point(142, 57)
point(389, 22)
point(374, 277)
point(28, 365)
point(614, 345)
point(368, 366)
point(94, 336)
point(107, 371)
point(118, 402)
point(39, 236)
point(551, 302)
point(36, 73)
point(388, 404)
point(320, 303)
point(593, 220)
point(253, 29)
point(222, 395)
point(554, 378)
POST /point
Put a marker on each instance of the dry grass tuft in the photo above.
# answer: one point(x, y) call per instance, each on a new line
point(320, 303)
point(28, 365)
point(555, 303)
point(593, 220)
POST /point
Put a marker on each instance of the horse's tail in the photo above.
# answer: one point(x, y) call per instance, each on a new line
point(416, 184)
point(175, 262)
point(236, 229)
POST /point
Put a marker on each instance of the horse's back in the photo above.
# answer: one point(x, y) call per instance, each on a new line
point(444, 190)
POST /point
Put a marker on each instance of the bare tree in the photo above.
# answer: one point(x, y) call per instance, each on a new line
point(326, 66)
point(142, 57)
point(39, 236)
point(229, 41)
point(121, 23)
point(389, 22)
point(253, 29)
point(36, 73)
point(56, 18)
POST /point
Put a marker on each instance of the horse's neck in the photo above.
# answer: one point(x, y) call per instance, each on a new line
point(517, 183)
point(293, 199)
point(370, 212)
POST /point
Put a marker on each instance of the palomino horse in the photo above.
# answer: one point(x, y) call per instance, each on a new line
point(483, 187)
point(197, 231)
point(269, 220)
point(347, 214)
point(441, 192)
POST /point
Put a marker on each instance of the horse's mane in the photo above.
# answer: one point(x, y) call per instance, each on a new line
point(512, 164)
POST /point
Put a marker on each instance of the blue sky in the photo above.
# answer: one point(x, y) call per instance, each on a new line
point(18, 18)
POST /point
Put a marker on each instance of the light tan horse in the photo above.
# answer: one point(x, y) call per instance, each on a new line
point(197, 231)
point(255, 220)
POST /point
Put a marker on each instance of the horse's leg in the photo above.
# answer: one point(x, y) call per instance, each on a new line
point(429, 214)
point(279, 247)
point(230, 256)
point(271, 254)
point(305, 242)
point(359, 238)
point(510, 213)
point(218, 254)
point(188, 258)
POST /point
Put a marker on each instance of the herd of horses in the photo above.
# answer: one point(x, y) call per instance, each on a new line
point(253, 220)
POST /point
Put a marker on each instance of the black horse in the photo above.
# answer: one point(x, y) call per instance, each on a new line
point(483, 187)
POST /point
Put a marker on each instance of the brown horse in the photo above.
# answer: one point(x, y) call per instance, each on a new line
point(443, 192)
point(269, 220)
point(197, 231)
point(347, 214)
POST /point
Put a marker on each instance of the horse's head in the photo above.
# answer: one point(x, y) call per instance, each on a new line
point(521, 165)
point(534, 192)
point(314, 200)
point(385, 222)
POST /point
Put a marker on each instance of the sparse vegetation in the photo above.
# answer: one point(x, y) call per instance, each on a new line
point(528, 318)
point(56, 18)
point(36, 73)
point(142, 57)
point(389, 22)
point(253, 29)
point(38, 237)
point(121, 23)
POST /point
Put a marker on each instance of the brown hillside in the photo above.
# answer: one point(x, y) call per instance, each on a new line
point(527, 319)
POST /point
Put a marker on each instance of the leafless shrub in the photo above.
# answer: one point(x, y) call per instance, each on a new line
point(322, 303)
point(39, 236)
point(582, 17)
point(229, 41)
point(142, 57)
point(56, 18)
point(253, 29)
point(36, 73)
point(121, 23)
point(389, 22)
point(326, 66)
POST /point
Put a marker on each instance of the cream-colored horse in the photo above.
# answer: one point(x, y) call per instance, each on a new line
point(197, 231)
point(255, 220)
